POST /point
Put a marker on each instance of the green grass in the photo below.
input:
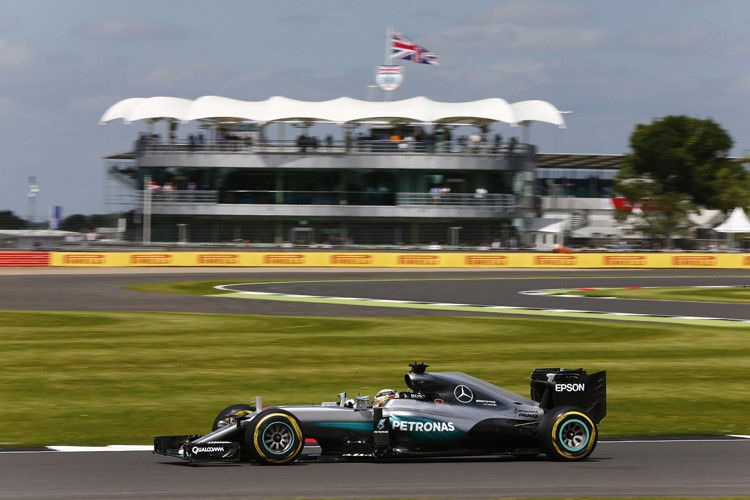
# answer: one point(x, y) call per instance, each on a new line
point(733, 295)
point(189, 287)
point(105, 378)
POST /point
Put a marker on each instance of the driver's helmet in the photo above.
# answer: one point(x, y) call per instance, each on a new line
point(383, 396)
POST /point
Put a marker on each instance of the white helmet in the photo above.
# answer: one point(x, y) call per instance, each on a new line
point(383, 396)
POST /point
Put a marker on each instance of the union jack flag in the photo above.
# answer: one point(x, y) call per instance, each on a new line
point(404, 48)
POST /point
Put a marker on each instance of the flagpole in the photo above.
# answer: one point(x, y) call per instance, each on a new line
point(387, 44)
point(386, 57)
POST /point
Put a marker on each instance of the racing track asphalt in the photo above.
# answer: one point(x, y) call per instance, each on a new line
point(106, 292)
point(655, 468)
point(689, 468)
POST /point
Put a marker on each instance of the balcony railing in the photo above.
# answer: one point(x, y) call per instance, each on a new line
point(187, 196)
point(362, 146)
point(493, 201)
point(489, 200)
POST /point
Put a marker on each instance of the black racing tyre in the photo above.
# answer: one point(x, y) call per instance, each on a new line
point(567, 434)
point(230, 414)
point(275, 438)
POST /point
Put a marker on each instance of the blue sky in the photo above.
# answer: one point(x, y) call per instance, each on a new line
point(613, 63)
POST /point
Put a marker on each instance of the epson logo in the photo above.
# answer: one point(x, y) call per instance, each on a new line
point(206, 449)
point(570, 387)
point(406, 425)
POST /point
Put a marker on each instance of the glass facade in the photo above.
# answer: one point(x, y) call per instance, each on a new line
point(575, 182)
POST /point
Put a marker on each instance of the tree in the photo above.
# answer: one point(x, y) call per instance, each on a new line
point(678, 163)
point(662, 215)
point(9, 220)
point(75, 222)
point(80, 222)
point(731, 189)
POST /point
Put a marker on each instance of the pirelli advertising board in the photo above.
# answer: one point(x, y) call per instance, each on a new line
point(424, 260)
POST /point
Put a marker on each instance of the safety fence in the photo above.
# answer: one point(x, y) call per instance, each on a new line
point(377, 259)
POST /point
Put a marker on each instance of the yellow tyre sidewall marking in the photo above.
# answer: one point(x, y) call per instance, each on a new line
point(592, 437)
point(297, 436)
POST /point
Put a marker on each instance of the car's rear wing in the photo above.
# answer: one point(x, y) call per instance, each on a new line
point(552, 387)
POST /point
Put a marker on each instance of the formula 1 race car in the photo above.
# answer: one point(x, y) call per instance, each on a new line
point(446, 413)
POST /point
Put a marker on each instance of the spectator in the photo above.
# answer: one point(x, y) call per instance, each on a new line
point(475, 140)
point(479, 195)
point(512, 143)
point(498, 141)
point(461, 141)
point(435, 194)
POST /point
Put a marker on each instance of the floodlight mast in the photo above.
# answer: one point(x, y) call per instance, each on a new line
point(146, 231)
point(33, 191)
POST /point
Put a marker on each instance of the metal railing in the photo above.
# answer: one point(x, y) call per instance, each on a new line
point(362, 146)
point(489, 200)
point(186, 196)
point(493, 201)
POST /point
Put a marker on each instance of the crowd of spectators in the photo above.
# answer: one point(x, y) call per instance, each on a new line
point(441, 140)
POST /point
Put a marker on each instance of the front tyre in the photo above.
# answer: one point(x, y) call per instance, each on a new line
point(567, 434)
point(275, 438)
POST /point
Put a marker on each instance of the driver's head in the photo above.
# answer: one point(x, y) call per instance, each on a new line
point(383, 396)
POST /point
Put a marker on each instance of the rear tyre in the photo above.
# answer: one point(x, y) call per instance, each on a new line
point(275, 438)
point(230, 414)
point(567, 434)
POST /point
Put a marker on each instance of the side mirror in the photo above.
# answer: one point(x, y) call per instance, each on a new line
point(361, 403)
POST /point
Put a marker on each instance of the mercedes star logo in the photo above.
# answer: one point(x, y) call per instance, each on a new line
point(463, 394)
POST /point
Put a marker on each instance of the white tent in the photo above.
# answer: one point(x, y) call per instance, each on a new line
point(737, 222)
point(544, 234)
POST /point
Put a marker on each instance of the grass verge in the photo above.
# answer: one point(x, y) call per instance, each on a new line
point(104, 378)
point(730, 294)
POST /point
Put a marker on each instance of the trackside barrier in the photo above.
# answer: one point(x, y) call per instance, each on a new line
point(24, 259)
point(393, 259)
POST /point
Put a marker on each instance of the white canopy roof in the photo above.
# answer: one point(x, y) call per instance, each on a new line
point(737, 222)
point(340, 110)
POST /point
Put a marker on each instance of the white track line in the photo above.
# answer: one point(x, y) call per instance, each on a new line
point(229, 288)
point(109, 447)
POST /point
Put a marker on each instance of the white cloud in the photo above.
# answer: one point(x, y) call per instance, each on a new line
point(534, 25)
point(300, 20)
point(128, 29)
point(175, 74)
point(740, 86)
point(537, 12)
point(500, 37)
point(15, 54)
point(690, 41)
point(8, 24)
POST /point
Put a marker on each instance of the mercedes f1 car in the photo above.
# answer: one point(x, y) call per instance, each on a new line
point(445, 413)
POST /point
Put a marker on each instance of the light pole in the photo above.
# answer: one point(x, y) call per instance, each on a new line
point(146, 210)
point(31, 195)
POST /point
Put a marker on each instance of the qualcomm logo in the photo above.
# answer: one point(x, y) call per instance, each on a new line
point(463, 394)
point(206, 449)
